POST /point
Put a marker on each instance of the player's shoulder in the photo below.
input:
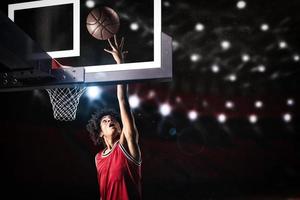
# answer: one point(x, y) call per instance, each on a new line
point(98, 155)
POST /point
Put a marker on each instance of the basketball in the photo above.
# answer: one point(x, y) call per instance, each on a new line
point(102, 23)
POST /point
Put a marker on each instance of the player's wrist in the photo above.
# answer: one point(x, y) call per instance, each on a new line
point(119, 61)
point(122, 91)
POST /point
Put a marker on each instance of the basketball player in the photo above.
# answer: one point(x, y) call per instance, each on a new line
point(119, 164)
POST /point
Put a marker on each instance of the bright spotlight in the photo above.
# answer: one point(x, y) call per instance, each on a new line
point(225, 45)
point(253, 119)
point(245, 57)
point(258, 104)
point(134, 26)
point(134, 101)
point(241, 4)
point(261, 68)
point(290, 102)
point(90, 3)
point(229, 104)
point(264, 27)
point(287, 117)
point(195, 57)
point(282, 44)
point(296, 57)
point(232, 77)
point(199, 27)
point(215, 68)
point(93, 92)
point(222, 118)
point(193, 115)
point(175, 45)
point(165, 109)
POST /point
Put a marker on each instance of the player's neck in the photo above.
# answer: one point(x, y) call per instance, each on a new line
point(110, 142)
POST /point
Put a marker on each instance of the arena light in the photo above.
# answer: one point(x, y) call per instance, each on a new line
point(258, 104)
point(264, 27)
point(193, 115)
point(225, 45)
point(195, 57)
point(90, 3)
point(245, 57)
point(252, 119)
point(134, 26)
point(199, 27)
point(178, 99)
point(165, 109)
point(290, 102)
point(296, 57)
point(241, 4)
point(229, 104)
point(93, 92)
point(175, 45)
point(282, 44)
point(215, 68)
point(134, 101)
point(222, 118)
point(261, 68)
point(287, 117)
point(151, 94)
point(232, 77)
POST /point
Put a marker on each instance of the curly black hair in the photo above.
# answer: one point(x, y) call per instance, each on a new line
point(93, 126)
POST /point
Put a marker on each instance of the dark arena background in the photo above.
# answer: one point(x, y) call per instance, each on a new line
point(226, 127)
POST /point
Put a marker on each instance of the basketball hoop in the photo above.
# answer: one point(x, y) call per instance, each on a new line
point(65, 101)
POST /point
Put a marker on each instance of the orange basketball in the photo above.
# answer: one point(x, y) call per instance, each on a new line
point(102, 23)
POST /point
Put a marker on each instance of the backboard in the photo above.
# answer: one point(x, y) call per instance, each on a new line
point(36, 33)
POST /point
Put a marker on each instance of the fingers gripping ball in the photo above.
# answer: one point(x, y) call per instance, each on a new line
point(102, 23)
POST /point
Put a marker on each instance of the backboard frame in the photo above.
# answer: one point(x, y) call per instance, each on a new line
point(158, 69)
point(76, 35)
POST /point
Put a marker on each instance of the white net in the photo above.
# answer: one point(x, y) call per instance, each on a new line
point(65, 101)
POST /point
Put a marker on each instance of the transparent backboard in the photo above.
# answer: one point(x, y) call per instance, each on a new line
point(58, 27)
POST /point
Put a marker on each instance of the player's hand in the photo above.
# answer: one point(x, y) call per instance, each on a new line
point(117, 50)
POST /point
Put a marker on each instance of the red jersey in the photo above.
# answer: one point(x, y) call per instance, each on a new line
point(119, 174)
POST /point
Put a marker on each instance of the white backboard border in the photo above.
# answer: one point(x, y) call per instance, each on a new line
point(47, 3)
point(156, 63)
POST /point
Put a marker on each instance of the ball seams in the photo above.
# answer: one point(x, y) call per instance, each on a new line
point(104, 22)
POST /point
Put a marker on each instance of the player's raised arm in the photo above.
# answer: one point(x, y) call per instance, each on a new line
point(129, 128)
point(129, 136)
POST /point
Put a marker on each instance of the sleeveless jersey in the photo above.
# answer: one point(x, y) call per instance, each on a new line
point(119, 174)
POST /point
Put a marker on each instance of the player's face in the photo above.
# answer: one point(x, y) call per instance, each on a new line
point(109, 126)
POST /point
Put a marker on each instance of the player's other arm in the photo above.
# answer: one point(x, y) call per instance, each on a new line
point(129, 136)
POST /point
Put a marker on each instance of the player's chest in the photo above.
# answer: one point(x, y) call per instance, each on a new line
point(112, 166)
